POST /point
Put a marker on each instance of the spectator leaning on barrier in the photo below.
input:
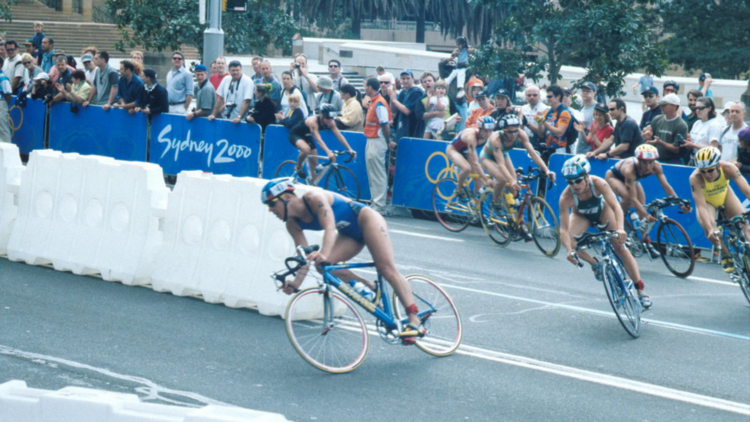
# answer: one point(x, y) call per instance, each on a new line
point(743, 152)
point(294, 115)
point(128, 88)
point(404, 106)
point(221, 72)
point(5, 93)
point(31, 69)
point(179, 85)
point(588, 104)
point(328, 95)
point(485, 109)
point(651, 100)
point(104, 89)
point(667, 131)
point(78, 90)
point(553, 124)
point(42, 87)
point(235, 95)
point(729, 141)
point(351, 118)
point(63, 76)
point(627, 135)
point(13, 68)
point(154, 98)
point(61, 63)
point(205, 97)
point(48, 54)
point(263, 112)
point(377, 132)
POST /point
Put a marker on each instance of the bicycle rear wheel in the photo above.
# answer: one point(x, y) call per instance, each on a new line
point(438, 313)
point(744, 277)
point(495, 225)
point(453, 213)
point(543, 226)
point(624, 303)
point(634, 242)
point(676, 248)
point(342, 181)
point(327, 330)
point(288, 168)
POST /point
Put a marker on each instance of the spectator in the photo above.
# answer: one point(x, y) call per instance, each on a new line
point(485, 109)
point(646, 81)
point(104, 89)
point(294, 115)
point(42, 88)
point(61, 63)
point(5, 94)
point(576, 116)
point(351, 114)
point(598, 132)
point(234, 95)
point(707, 129)
point(475, 87)
point(128, 88)
point(206, 95)
point(725, 114)
point(588, 105)
point(13, 68)
point(289, 89)
point(213, 67)
point(334, 70)
point(428, 85)
point(743, 153)
point(377, 132)
point(461, 55)
point(553, 124)
point(135, 57)
point(380, 70)
point(651, 100)
point(267, 71)
point(90, 50)
point(220, 74)
point(533, 107)
point(385, 85)
point(179, 85)
point(153, 98)
point(503, 104)
point(263, 111)
point(328, 95)
point(692, 96)
point(29, 46)
point(31, 69)
point(78, 90)
point(670, 87)
point(441, 104)
point(729, 141)
point(63, 75)
point(306, 82)
point(89, 67)
point(667, 131)
point(403, 106)
point(257, 76)
point(3, 53)
point(627, 135)
point(138, 69)
point(37, 41)
point(705, 81)
point(48, 54)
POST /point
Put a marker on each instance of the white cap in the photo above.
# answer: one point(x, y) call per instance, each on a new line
point(670, 99)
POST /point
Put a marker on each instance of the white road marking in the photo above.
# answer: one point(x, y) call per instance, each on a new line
point(428, 236)
point(711, 280)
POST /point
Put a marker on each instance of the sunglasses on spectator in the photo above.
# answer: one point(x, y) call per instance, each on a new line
point(649, 96)
point(576, 181)
point(708, 171)
point(385, 82)
point(10, 49)
point(333, 65)
point(666, 90)
point(176, 58)
point(550, 96)
point(612, 109)
point(532, 95)
point(701, 108)
point(27, 63)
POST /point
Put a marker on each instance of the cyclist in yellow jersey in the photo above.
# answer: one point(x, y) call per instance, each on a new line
point(711, 191)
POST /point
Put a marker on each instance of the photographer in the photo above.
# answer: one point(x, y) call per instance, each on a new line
point(42, 90)
point(77, 91)
point(667, 131)
point(234, 95)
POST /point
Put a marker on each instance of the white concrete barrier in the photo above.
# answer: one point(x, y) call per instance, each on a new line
point(221, 242)
point(89, 215)
point(11, 170)
point(18, 403)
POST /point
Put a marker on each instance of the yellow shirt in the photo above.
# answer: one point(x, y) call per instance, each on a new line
point(716, 192)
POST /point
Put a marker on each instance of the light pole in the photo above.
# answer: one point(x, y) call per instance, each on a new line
point(213, 36)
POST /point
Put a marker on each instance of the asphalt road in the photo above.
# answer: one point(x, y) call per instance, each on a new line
point(540, 343)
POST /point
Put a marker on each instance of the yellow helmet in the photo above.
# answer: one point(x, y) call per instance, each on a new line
point(707, 157)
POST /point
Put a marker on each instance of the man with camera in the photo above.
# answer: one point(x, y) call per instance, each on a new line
point(667, 131)
point(235, 95)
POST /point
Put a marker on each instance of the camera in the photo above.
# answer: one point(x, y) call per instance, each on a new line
point(73, 108)
point(296, 65)
point(228, 109)
point(47, 99)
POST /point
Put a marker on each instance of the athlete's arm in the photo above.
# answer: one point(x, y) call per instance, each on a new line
point(701, 207)
point(470, 138)
point(298, 236)
point(321, 207)
point(732, 172)
point(566, 203)
point(609, 197)
point(332, 126)
point(659, 172)
point(315, 132)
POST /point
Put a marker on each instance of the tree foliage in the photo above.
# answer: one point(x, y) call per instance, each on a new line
point(166, 24)
point(5, 12)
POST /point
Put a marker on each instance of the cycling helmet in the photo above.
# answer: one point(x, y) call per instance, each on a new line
point(508, 120)
point(672, 83)
point(274, 188)
point(576, 166)
point(486, 122)
point(707, 157)
point(647, 152)
point(328, 111)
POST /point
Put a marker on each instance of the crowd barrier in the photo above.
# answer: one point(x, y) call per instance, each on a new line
point(11, 171)
point(19, 403)
point(28, 124)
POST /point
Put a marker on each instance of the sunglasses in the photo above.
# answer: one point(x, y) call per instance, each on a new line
point(27, 63)
point(177, 58)
point(701, 108)
point(649, 96)
point(576, 181)
point(10, 49)
point(550, 96)
point(333, 65)
point(272, 202)
point(612, 109)
point(708, 171)
point(385, 83)
point(532, 95)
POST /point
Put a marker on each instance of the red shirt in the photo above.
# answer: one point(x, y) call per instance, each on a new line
point(215, 80)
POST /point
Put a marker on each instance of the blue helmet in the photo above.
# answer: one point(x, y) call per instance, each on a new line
point(575, 167)
point(486, 122)
point(274, 188)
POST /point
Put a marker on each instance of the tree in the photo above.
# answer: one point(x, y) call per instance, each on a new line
point(327, 12)
point(167, 24)
point(711, 35)
point(5, 12)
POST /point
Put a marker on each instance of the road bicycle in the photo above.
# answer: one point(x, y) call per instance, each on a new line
point(620, 290)
point(529, 212)
point(455, 212)
point(672, 241)
point(738, 247)
point(335, 177)
point(326, 328)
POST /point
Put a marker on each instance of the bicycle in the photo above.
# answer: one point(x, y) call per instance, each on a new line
point(504, 225)
point(327, 330)
point(672, 241)
point(620, 290)
point(455, 212)
point(338, 178)
point(738, 247)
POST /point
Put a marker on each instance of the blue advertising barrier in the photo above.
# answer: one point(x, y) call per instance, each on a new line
point(421, 163)
point(277, 149)
point(219, 146)
point(27, 125)
point(93, 131)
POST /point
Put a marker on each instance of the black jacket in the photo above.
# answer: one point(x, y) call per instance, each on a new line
point(156, 100)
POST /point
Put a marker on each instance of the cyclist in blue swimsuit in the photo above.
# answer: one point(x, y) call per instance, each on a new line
point(463, 151)
point(348, 227)
point(589, 200)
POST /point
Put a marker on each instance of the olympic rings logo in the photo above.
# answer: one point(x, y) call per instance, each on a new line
point(13, 126)
point(447, 171)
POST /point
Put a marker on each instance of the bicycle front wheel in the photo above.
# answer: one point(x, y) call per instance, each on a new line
point(676, 248)
point(495, 225)
point(543, 226)
point(342, 181)
point(634, 242)
point(438, 313)
point(744, 277)
point(327, 330)
point(453, 213)
point(288, 168)
point(624, 303)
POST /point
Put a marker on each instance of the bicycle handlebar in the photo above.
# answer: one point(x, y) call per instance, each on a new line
point(734, 221)
point(587, 239)
point(667, 202)
point(294, 263)
point(342, 152)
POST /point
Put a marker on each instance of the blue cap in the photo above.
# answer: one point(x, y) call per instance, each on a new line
point(407, 72)
point(200, 68)
point(151, 73)
point(651, 90)
point(588, 85)
point(702, 77)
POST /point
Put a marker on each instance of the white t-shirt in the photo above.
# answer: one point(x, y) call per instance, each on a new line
point(705, 132)
point(729, 143)
point(13, 68)
point(235, 92)
point(529, 113)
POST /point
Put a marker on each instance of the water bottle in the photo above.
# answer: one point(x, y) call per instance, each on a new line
point(510, 199)
point(319, 168)
point(635, 221)
point(363, 290)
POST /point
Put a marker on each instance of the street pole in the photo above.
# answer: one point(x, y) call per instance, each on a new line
point(213, 36)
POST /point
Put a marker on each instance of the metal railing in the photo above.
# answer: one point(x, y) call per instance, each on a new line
point(398, 25)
